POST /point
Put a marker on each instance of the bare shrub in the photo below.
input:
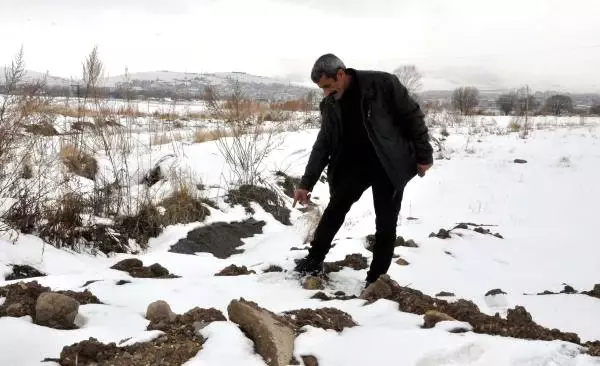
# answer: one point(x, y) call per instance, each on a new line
point(248, 143)
point(79, 162)
point(411, 78)
point(145, 224)
point(465, 99)
point(514, 126)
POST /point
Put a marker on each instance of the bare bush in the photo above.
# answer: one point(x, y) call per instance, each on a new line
point(465, 99)
point(507, 103)
point(79, 162)
point(411, 78)
point(248, 142)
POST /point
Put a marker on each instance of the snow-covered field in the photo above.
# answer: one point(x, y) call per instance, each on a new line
point(546, 210)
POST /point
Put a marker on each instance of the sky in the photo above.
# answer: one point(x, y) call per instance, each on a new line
point(546, 44)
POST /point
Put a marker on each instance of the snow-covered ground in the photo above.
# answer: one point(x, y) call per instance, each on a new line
point(546, 210)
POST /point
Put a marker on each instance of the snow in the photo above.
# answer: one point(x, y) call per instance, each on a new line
point(545, 209)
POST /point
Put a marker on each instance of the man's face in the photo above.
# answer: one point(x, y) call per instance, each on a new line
point(333, 86)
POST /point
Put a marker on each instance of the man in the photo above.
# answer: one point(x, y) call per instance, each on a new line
point(372, 135)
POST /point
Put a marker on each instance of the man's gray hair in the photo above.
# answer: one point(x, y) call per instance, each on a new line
point(326, 65)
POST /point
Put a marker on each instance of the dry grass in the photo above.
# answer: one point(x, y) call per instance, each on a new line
point(79, 162)
point(205, 136)
point(183, 206)
point(167, 138)
point(514, 126)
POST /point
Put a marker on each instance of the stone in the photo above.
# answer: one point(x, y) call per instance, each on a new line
point(158, 270)
point(495, 292)
point(313, 283)
point(402, 262)
point(310, 360)
point(445, 294)
point(234, 270)
point(432, 317)
point(56, 310)
point(411, 244)
point(128, 264)
point(159, 311)
point(520, 161)
point(273, 336)
point(20, 272)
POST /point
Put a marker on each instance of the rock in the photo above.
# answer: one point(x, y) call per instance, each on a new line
point(141, 272)
point(495, 292)
point(325, 318)
point(122, 282)
point(497, 235)
point(547, 292)
point(310, 360)
point(16, 310)
point(432, 317)
point(442, 234)
point(569, 290)
point(355, 261)
point(158, 270)
point(518, 315)
point(380, 289)
point(273, 268)
point(410, 244)
point(481, 230)
point(56, 310)
point(234, 270)
point(445, 294)
point(520, 161)
point(338, 296)
point(273, 336)
point(127, 264)
point(399, 241)
point(20, 272)
point(159, 311)
point(462, 225)
point(313, 283)
point(595, 292)
point(402, 262)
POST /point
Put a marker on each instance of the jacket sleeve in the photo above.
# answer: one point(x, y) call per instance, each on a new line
point(411, 119)
point(318, 160)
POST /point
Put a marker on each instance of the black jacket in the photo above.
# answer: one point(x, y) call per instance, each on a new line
point(394, 123)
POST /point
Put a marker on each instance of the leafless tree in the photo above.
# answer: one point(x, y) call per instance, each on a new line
point(465, 99)
point(411, 78)
point(507, 103)
point(559, 104)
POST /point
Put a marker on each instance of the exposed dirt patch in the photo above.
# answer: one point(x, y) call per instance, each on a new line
point(21, 298)
point(266, 198)
point(518, 323)
point(445, 294)
point(221, 239)
point(135, 268)
point(288, 183)
point(234, 270)
point(325, 318)
point(22, 271)
point(180, 342)
point(355, 261)
point(593, 348)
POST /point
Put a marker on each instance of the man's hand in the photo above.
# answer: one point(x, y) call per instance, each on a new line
point(302, 196)
point(422, 168)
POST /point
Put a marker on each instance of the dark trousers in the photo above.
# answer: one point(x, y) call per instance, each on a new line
point(386, 201)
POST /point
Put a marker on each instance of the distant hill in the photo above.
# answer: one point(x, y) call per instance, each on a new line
point(257, 87)
point(34, 75)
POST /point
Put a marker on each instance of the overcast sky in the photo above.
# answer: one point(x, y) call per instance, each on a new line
point(499, 43)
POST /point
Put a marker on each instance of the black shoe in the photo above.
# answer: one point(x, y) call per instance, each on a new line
point(309, 266)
